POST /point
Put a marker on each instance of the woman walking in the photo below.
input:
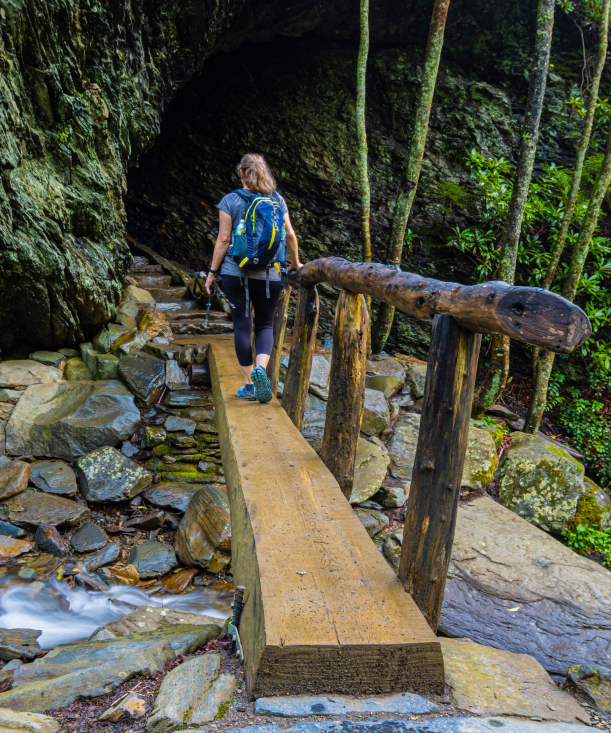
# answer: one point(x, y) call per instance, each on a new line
point(250, 251)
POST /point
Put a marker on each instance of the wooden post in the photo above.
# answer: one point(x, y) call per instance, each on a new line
point(346, 388)
point(297, 379)
point(280, 317)
point(440, 456)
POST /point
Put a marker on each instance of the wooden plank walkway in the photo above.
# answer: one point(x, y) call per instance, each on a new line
point(323, 610)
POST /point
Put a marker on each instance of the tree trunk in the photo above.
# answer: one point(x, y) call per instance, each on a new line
point(496, 378)
point(361, 81)
point(569, 287)
point(386, 312)
point(346, 389)
point(297, 380)
point(440, 456)
point(280, 318)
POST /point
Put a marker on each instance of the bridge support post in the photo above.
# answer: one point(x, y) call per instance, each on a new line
point(297, 379)
point(280, 318)
point(440, 455)
point(346, 388)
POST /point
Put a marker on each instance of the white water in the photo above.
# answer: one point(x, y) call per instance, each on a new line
point(44, 607)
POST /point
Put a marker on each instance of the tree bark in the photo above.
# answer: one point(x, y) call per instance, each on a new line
point(297, 380)
point(569, 287)
point(440, 455)
point(361, 81)
point(346, 389)
point(280, 318)
point(494, 382)
point(405, 200)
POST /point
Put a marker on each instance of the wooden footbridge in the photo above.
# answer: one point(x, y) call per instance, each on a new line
point(323, 611)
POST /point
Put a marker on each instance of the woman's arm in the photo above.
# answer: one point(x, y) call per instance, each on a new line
point(220, 248)
point(291, 244)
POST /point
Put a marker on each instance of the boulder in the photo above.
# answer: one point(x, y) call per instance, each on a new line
point(105, 556)
point(105, 338)
point(313, 428)
point(69, 419)
point(152, 559)
point(512, 586)
point(19, 644)
point(415, 375)
point(385, 374)
point(88, 538)
point(128, 707)
point(50, 358)
point(319, 376)
point(25, 372)
point(387, 384)
point(106, 474)
point(48, 540)
point(540, 481)
point(392, 550)
point(88, 355)
point(153, 435)
point(33, 508)
point(391, 496)
point(54, 477)
point(162, 351)
point(481, 460)
point(14, 478)
point(77, 371)
point(370, 469)
point(204, 535)
point(191, 695)
point(376, 416)
point(107, 367)
point(137, 295)
point(144, 374)
point(128, 308)
point(27, 722)
point(150, 618)
point(592, 685)
point(487, 681)
point(6, 410)
point(12, 547)
point(171, 495)
point(175, 424)
point(373, 520)
point(68, 353)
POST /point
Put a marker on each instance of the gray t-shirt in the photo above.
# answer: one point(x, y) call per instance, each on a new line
point(235, 205)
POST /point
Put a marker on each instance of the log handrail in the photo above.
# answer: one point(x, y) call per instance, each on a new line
point(531, 315)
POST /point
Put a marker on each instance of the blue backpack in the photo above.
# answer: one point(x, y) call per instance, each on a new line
point(259, 240)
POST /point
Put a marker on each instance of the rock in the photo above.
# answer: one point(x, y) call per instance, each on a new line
point(120, 574)
point(592, 685)
point(191, 695)
point(128, 308)
point(315, 403)
point(12, 547)
point(33, 508)
point(106, 337)
point(105, 556)
point(384, 374)
point(14, 478)
point(27, 722)
point(313, 428)
point(8, 530)
point(48, 540)
point(373, 521)
point(182, 441)
point(180, 581)
point(50, 358)
point(402, 445)
point(204, 535)
point(152, 520)
point(137, 295)
point(515, 587)
point(19, 644)
point(297, 706)
point(452, 724)
point(129, 707)
point(94, 668)
point(88, 538)
point(88, 355)
point(54, 477)
point(376, 417)
point(319, 376)
point(387, 384)
point(175, 377)
point(392, 496)
point(151, 618)
point(106, 474)
point(185, 356)
point(370, 469)
point(415, 375)
point(144, 374)
point(152, 559)
point(540, 482)
point(11, 396)
point(153, 435)
point(156, 324)
point(77, 371)
point(129, 342)
point(107, 367)
point(487, 681)
point(69, 419)
point(502, 412)
point(162, 351)
point(68, 353)
point(392, 550)
point(23, 373)
point(171, 495)
point(481, 460)
point(174, 424)
point(129, 450)
point(185, 398)
point(6, 410)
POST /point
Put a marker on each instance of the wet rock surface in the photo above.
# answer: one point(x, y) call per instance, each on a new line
point(29, 509)
point(144, 374)
point(204, 535)
point(106, 474)
point(592, 685)
point(48, 540)
point(54, 477)
point(19, 644)
point(89, 537)
point(152, 559)
point(14, 478)
point(293, 706)
point(174, 496)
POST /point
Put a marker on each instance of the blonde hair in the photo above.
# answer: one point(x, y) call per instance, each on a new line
point(257, 175)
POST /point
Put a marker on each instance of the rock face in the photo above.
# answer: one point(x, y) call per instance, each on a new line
point(540, 482)
point(370, 469)
point(14, 478)
point(66, 420)
point(32, 508)
point(514, 587)
point(487, 681)
point(106, 474)
point(204, 535)
point(152, 559)
point(54, 477)
point(27, 372)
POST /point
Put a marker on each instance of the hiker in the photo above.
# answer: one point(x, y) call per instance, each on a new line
point(254, 234)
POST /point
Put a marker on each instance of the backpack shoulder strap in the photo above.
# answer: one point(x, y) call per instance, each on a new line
point(244, 194)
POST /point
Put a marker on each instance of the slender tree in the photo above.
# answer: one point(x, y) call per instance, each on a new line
point(582, 149)
point(496, 378)
point(569, 287)
point(386, 312)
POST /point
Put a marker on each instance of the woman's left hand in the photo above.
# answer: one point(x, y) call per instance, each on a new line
point(209, 282)
point(296, 266)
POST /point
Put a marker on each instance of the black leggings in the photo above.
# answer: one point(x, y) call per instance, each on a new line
point(264, 308)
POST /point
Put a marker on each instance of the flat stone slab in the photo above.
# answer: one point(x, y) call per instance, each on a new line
point(50, 358)
point(32, 508)
point(436, 725)
point(54, 477)
point(297, 706)
point(30, 722)
point(152, 559)
point(171, 495)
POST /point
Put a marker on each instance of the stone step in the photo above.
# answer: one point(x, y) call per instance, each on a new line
point(145, 269)
point(190, 315)
point(153, 281)
point(200, 327)
point(169, 294)
point(170, 306)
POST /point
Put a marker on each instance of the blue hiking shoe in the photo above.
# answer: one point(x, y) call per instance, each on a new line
point(247, 392)
point(263, 387)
